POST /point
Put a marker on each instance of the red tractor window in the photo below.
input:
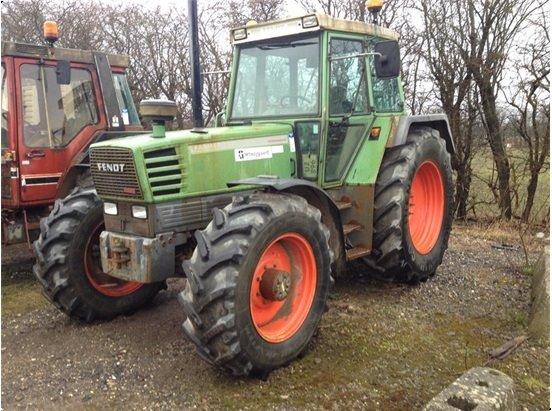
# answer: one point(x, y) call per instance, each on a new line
point(53, 113)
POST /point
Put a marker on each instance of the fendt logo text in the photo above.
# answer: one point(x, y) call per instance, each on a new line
point(111, 167)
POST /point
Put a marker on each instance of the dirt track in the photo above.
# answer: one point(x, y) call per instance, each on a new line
point(381, 346)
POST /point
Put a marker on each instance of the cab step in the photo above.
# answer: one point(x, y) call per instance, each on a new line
point(343, 205)
point(350, 227)
point(357, 252)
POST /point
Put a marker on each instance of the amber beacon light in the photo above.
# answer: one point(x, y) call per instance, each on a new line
point(51, 32)
point(374, 7)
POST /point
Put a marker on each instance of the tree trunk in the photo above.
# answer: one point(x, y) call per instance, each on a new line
point(496, 141)
point(463, 183)
point(531, 190)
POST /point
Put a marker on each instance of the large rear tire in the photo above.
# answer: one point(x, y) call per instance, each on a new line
point(68, 264)
point(413, 208)
point(257, 283)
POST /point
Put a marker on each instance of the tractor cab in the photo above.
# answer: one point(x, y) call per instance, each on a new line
point(55, 103)
point(332, 79)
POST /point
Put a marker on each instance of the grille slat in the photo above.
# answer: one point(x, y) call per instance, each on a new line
point(115, 184)
point(165, 171)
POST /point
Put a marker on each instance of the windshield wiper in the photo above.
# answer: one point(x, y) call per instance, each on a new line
point(283, 45)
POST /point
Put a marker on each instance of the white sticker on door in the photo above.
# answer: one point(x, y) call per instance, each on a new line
point(254, 153)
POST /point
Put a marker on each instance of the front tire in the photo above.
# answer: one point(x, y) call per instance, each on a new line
point(257, 283)
point(68, 267)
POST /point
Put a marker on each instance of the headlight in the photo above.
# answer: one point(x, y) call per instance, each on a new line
point(110, 208)
point(240, 34)
point(139, 212)
point(309, 21)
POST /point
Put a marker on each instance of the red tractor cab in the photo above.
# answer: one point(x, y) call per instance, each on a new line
point(55, 103)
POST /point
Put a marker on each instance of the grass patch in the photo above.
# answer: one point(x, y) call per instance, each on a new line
point(534, 384)
point(21, 297)
point(480, 194)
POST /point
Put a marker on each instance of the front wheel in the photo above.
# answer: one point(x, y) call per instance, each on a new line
point(68, 262)
point(257, 283)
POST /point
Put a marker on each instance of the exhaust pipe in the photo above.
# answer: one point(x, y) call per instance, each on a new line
point(197, 111)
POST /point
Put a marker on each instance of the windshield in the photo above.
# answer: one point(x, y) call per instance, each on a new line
point(277, 78)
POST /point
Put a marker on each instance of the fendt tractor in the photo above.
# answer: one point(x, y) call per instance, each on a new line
point(55, 103)
point(313, 164)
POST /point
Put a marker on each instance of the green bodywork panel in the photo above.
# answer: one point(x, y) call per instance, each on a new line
point(209, 159)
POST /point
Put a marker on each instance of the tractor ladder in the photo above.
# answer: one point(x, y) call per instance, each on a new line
point(356, 236)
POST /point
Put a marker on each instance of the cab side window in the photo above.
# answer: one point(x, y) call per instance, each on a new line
point(53, 114)
point(386, 94)
point(124, 98)
point(347, 78)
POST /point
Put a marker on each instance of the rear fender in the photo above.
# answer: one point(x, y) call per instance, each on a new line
point(438, 122)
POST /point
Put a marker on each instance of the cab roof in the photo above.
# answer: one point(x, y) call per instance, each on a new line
point(10, 48)
point(294, 25)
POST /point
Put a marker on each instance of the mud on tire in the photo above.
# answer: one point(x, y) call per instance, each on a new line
point(395, 257)
point(216, 299)
point(59, 266)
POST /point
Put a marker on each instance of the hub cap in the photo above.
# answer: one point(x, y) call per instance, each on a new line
point(283, 287)
point(103, 283)
point(426, 207)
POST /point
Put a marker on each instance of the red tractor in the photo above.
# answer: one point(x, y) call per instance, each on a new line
point(56, 102)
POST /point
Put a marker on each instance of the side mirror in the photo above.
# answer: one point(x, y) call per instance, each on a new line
point(388, 60)
point(63, 72)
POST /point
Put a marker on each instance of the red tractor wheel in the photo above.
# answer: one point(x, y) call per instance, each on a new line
point(103, 283)
point(257, 283)
point(413, 208)
point(68, 263)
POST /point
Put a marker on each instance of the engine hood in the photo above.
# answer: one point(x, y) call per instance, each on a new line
point(145, 142)
point(190, 163)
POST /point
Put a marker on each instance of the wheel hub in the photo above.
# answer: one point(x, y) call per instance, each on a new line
point(275, 284)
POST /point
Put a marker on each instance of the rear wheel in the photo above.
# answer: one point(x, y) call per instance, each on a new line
point(68, 263)
point(413, 208)
point(257, 283)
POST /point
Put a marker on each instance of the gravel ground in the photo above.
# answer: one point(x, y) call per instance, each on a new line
point(380, 346)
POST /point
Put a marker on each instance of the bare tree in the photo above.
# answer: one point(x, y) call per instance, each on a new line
point(491, 27)
point(531, 102)
point(453, 82)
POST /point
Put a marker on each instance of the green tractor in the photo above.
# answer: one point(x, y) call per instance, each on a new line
point(314, 163)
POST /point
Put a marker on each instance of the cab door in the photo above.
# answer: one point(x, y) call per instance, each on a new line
point(349, 115)
point(55, 122)
point(9, 175)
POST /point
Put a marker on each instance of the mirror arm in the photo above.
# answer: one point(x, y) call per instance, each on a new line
point(350, 56)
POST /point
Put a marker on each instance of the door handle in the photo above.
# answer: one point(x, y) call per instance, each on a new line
point(35, 153)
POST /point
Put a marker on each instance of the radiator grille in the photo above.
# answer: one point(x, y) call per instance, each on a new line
point(114, 183)
point(165, 172)
point(187, 215)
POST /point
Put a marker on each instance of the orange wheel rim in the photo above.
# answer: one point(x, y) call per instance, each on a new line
point(426, 207)
point(283, 287)
point(104, 283)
